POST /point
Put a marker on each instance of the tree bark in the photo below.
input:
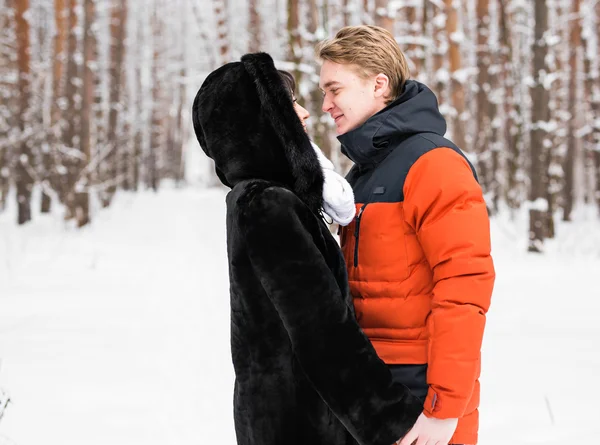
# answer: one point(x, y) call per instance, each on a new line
point(117, 55)
point(23, 179)
point(82, 197)
point(574, 46)
point(510, 130)
point(456, 87)
point(69, 174)
point(221, 14)
point(254, 27)
point(540, 116)
point(59, 41)
point(382, 16)
point(482, 138)
point(596, 106)
point(7, 95)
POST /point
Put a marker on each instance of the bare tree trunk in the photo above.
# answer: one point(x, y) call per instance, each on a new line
point(540, 117)
point(422, 55)
point(254, 27)
point(7, 95)
point(23, 179)
point(482, 144)
point(180, 127)
point(60, 38)
point(495, 97)
point(72, 90)
point(294, 38)
point(510, 126)
point(222, 30)
point(96, 171)
point(139, 111)
point(319, 127)
point(82, 197)
point(346, 13)
point(574, 45)
point(382, 16)
point(413, 51)
point(596, 106)
point(557, 105)
point(366, 13)
point(456, 87)
point(439, 44)
point(157, 121)
point(590, 76)
point(117, 54)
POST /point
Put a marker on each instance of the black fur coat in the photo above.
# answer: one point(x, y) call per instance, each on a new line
point(305, 372)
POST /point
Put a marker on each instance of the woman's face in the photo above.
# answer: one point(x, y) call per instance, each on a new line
point(302, 113)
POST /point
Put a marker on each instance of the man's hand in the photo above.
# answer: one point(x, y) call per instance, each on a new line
point(430, 431)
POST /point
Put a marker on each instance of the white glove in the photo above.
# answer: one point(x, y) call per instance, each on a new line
point(338, 198)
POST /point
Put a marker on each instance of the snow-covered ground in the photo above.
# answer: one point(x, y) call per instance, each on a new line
point(118, 334)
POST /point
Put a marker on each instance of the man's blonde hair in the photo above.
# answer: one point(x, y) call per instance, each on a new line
point(372, 50)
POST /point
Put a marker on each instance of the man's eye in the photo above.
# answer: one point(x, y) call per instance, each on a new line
point(334, 91)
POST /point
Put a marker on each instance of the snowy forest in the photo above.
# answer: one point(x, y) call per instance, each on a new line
point(96, 94)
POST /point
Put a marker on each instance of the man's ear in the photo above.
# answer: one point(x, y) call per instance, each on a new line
point(382, 85)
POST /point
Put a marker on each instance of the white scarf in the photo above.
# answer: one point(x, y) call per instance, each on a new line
point(338, 198)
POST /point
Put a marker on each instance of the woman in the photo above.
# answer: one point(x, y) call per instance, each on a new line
point(305, 372)
point(338, 198)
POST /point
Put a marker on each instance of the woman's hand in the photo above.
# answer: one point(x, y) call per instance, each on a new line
point(430, 431)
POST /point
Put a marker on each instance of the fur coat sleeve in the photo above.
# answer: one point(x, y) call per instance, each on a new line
point(284, 244)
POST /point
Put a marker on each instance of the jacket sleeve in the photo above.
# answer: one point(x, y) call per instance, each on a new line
point(282, 239)
point(444, 205)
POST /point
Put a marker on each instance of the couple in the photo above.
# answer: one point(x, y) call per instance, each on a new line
point(378, 342)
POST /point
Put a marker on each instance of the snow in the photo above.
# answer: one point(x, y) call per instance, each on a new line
point(540, 204)
point(119, 333)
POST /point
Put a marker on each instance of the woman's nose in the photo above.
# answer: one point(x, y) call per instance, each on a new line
point(304, 113)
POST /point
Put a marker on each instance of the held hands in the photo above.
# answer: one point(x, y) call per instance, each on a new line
point(430, 431)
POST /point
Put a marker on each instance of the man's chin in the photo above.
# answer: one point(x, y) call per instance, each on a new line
point(341, 129)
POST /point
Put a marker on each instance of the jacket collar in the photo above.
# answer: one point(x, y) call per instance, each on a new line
point(414, 111)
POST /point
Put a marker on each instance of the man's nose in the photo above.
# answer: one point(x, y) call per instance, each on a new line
point(327, 104)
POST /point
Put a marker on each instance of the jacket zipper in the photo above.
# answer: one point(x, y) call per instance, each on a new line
point(357, 233)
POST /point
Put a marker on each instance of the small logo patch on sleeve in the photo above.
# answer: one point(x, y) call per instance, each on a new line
point(379, 190)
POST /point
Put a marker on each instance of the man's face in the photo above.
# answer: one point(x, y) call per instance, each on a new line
point(348, 98)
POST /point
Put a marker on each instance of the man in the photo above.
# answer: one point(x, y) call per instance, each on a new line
point(418, 252)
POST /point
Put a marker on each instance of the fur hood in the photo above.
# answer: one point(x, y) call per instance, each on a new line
point(245, 121)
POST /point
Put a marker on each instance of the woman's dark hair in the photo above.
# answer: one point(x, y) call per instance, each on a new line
point(288, 81)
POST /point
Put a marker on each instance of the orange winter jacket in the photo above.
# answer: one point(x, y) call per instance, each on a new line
point(418, 252)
